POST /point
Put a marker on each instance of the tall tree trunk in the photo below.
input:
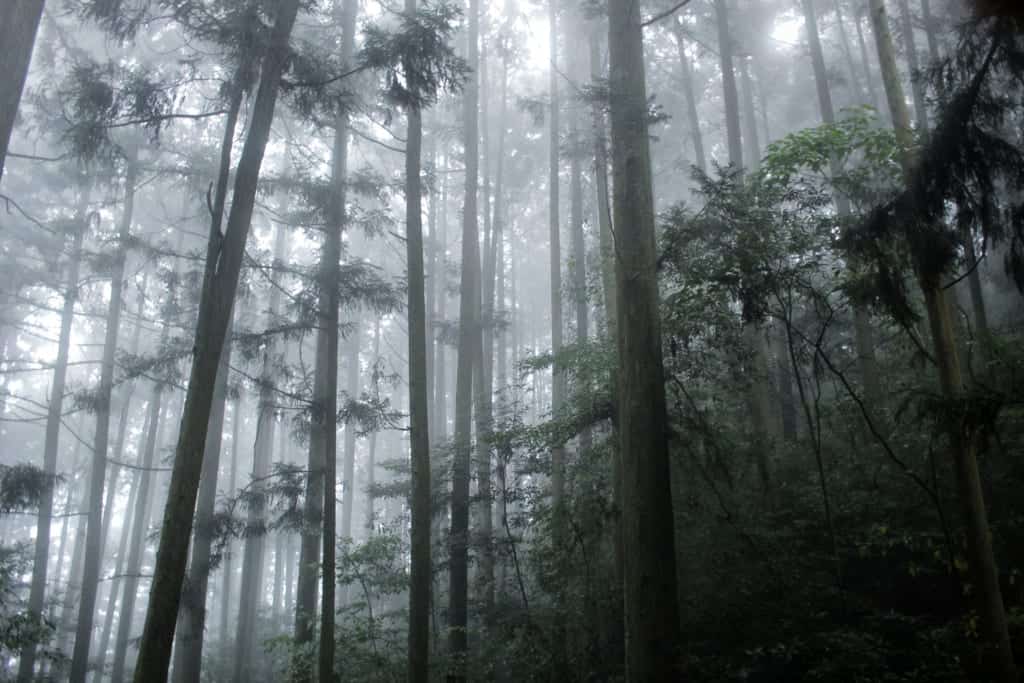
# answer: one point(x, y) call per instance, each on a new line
point(440, 432)
point(997, 648)
point(74, 588)
point(329, 398)
point(730, 95)
point(247, 660)
point(116, 582)
point(122, 552)
point(190, 636)
point(97, 476)
point(650, 594)
point(225, 605)
point(349, 462)
point(498, 226)
point(914, 66)
point(863, 334)
point(220, 281)
point(371, 459)
point(555, 261)
point(420, 568)
point(578, 70)
point(752, 144)
point(189, 642)
point(19, 23)
point(610, 293)
point(686, 71)
point(844, 42)
point(877, 100)
point(469, 340)
point(51, 442)
point(140, 526)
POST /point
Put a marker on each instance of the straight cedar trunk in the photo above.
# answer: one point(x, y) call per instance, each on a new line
point(554, 237)
point(497, 302)
point(140, 525)
point(19, 23)
point(469, 340)
point(844, 43)
point(758, 401)
point(97, 475)
point(51, 442)
point(997, 650)
point(729, 92)
point(430, 293)
point(483, 376)
point(913, 66)
point(318, 532)
point(108, 506)
point(371, 455)
point(115, 584)
point(328, 399)
point(74, 588)
point(189, 641)
point(483, 363)
point(248, 660)
point(863, 334)
point(686, 71)
point(578, 71)
point(190, 636)
point(349, 462)
point(220, 281)
point(225, 603)
point(650, 593)
point(440, 432)
point(122, 422)
point(610, 294)
point(419, 438)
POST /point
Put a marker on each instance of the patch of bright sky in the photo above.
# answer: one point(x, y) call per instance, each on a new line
point(788, 29)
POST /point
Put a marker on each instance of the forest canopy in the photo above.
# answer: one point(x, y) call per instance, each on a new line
point(478, 340)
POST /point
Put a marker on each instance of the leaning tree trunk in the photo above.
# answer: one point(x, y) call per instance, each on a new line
point(651, 611)
point(469, 339)
point(189, 641)
point(190, 636)
point(963, 444)
point(19, 23)
point(51, 441)
point(220, 281)
point(97, 475)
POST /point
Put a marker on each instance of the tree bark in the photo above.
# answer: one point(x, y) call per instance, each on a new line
point(189, 642)
point(686, 72)
point(469, 340)
point(420, 568)
point(51, 440)
point(140, 525)
point(97, 476)
point(225, 605)
point(248, 661)
point(997, 648)
point(650, 593)
point(220, 281)
point(863, 334)
point(729, 93)
point(190, 637)
point(19, 23)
